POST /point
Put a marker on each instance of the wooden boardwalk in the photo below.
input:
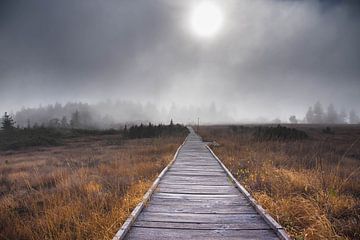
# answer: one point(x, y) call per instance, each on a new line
point(197, 198)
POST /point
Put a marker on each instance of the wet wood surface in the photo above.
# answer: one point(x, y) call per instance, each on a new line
point(195, 199)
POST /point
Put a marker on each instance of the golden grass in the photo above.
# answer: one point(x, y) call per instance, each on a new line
point(83, 190)
point(312, 187)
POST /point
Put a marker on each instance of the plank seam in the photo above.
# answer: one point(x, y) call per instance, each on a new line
point(279, 230)
point(121, 233)
point(202, 229)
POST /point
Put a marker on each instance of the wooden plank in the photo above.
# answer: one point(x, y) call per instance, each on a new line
point(195, 179)
point(141, 233)
point(199, 209)
point(204, 226)
point(202, 183)
point(196, 168)
point(200, 218)
point(203, 174)
point(196, 186)
point(197, 189)
point(196, 196)
point(155, 200)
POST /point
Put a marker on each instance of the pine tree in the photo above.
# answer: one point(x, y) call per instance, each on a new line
point(75, 120)
point(331, 115)
point(7, 122)
point(353, 117)
point(318, 113)
point(310, 115)
point(293, 119)
point(64, 122)
point(343, 116)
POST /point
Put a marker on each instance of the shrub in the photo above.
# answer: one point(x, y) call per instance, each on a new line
point(41, 136)
point(264, 133)
point(150, 131)
point(279, 133)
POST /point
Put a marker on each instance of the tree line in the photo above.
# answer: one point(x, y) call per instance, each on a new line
point(151, 131)
point(12, 137)
point(316, 114)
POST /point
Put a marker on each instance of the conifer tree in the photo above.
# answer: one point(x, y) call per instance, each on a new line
point(75, 120)
point(7, 122)
point(353, 117)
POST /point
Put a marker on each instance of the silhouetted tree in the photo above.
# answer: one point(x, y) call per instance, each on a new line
point(331, 115)
point(309, 115)
point(293, 119)
point(342, 116)
point(353, 117)
point(276, 121)
point(318, 113)
point(7, 122)
point(54, 123)
point(75, 120)
point(148, 131)
point(64, 122)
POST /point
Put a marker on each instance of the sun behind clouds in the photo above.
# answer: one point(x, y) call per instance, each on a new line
point(206, 19)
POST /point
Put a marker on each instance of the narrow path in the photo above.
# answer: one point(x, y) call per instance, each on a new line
point(196, 199)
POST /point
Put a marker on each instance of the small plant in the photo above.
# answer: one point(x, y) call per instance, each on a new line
point(328, 130)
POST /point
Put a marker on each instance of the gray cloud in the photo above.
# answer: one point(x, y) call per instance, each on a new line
point(272, 58)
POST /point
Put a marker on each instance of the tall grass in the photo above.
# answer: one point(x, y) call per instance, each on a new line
point(311, 186)
point(82, 190)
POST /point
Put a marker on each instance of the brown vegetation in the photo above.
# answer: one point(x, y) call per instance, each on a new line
point(82, 190)
point(311, 186)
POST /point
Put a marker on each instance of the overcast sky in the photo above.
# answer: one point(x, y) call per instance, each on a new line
point(270, 58)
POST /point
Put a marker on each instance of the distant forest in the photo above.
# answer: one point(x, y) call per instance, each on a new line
point(108, 114)
point(74, 115)
point(318, 115)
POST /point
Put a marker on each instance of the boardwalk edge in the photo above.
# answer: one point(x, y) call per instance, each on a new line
point(279, 230)
point(120, 235)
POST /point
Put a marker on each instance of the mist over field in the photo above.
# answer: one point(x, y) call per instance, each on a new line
point(180, 119)
point(110, 114)
point(270, 60)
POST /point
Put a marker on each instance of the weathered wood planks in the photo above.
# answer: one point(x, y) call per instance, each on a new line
point(198, 198)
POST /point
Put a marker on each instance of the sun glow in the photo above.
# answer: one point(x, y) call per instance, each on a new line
point(206, 19)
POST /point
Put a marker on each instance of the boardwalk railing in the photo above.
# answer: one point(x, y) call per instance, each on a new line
point(196, 197)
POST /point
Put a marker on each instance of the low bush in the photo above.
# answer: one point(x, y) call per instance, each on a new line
point(265, 133)
point(41, 136)
point(151, 131)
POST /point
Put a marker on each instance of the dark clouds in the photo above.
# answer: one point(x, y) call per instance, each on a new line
point(272, 58)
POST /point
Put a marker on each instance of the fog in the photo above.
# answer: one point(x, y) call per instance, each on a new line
point(111, 114)
point(271, 59)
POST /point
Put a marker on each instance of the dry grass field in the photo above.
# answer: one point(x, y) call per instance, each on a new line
point(84, 189)
point(311, 186)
